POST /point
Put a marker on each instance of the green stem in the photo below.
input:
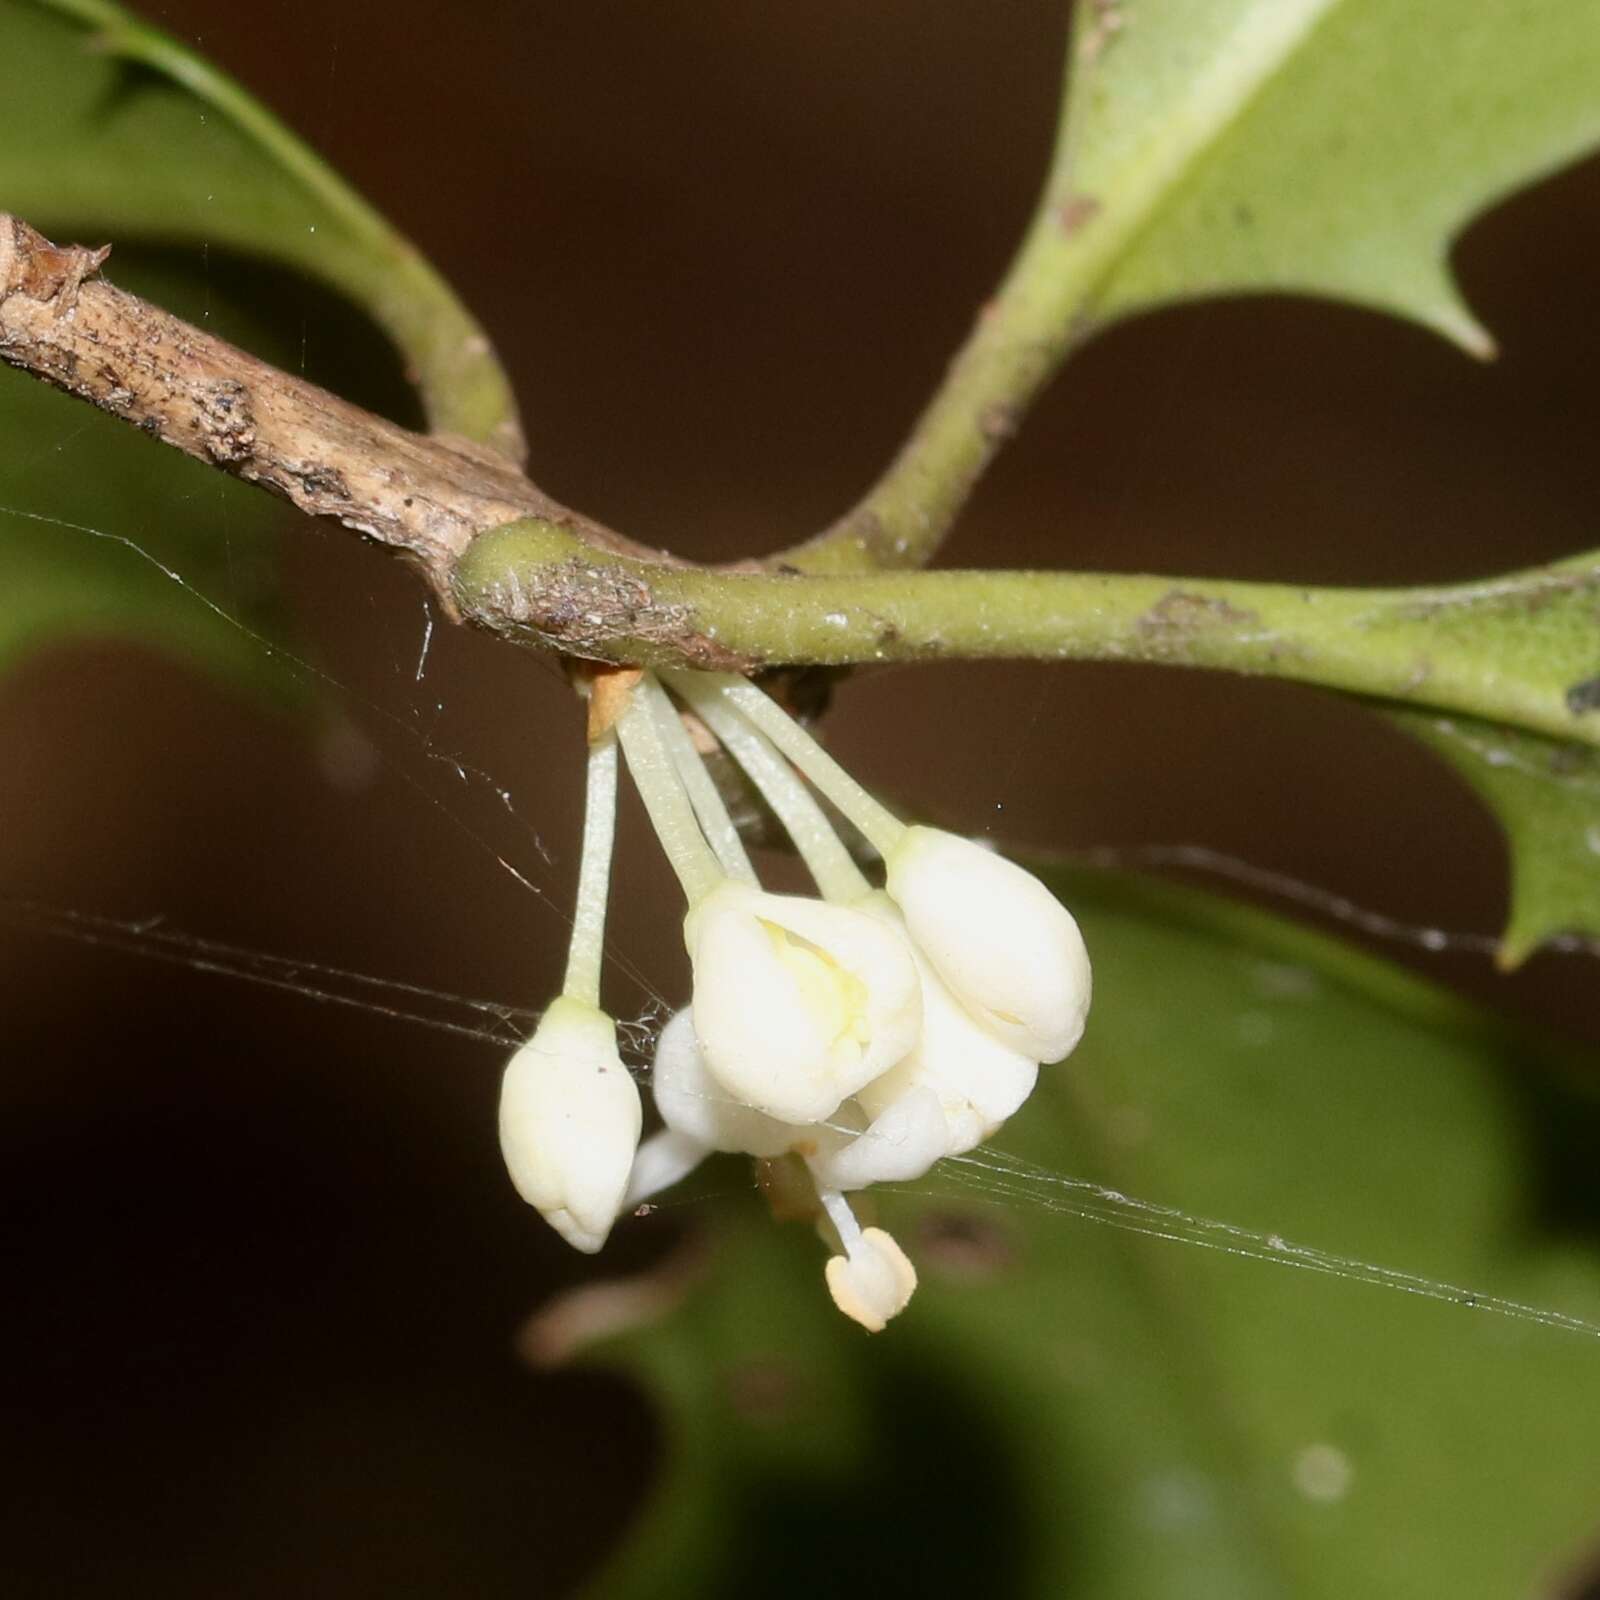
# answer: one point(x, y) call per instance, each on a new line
point(1521, 649)
point(1048, 301)
point(1020, 338)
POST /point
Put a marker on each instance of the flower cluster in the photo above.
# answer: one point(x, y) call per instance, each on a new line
point(868, 1032)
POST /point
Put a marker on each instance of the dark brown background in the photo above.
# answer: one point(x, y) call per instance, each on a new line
point(263, 1270)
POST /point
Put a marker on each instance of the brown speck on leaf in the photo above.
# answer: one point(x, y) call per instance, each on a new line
point(1075, 211)
point(1108, 20)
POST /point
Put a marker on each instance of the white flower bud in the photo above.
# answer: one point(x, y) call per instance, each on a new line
point(798, 1003)
point(569, 1122)
point(873, 1281)
point(1009, 951)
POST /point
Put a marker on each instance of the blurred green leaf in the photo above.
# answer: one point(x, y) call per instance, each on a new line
point(1546, 795)
point(109, 130)
point(1077, 1410)
point(1330, 147)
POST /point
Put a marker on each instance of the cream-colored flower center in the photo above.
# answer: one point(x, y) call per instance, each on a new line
point(832, 994)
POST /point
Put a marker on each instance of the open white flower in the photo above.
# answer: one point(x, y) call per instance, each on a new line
point(1008, 950)
point(698, 1108)
point(901, 1142)
point(701, 1116)
point(798, 1004)
point(569, 1122)
point(872, 1280)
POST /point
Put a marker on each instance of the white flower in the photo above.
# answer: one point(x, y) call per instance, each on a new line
point(798, 1003)
point(1006, 947)
point(872, 1280)
point(701, 1116)
point(906, 1137)
point(569, 1122)
point(695, 1106)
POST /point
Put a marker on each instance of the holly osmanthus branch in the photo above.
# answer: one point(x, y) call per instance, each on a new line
point(499, 553)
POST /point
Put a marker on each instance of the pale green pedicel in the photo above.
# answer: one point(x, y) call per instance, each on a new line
point(827, 860)
point(586, 952)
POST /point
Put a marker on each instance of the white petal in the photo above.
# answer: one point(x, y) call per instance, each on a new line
point(665, 1158)
point(798, 1003)
point(873, 1282)
point(1008, 949)
point(978, 1080)
point(694, 1104)
point(901, 1143)
point(569, 1122)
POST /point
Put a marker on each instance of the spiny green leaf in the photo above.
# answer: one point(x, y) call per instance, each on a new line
point(109, 130)
point(1331, 147)
point(1070, 1410)
point(1546, 795)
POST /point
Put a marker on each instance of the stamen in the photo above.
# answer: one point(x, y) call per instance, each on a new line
point(843, 1219)
point(704, 795)
point(872, 1281)
point(585, 953)
point(881, 827)
point(665, 798)
point(836, 874)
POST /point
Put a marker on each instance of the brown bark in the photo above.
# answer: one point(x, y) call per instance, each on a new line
point(425, 495)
